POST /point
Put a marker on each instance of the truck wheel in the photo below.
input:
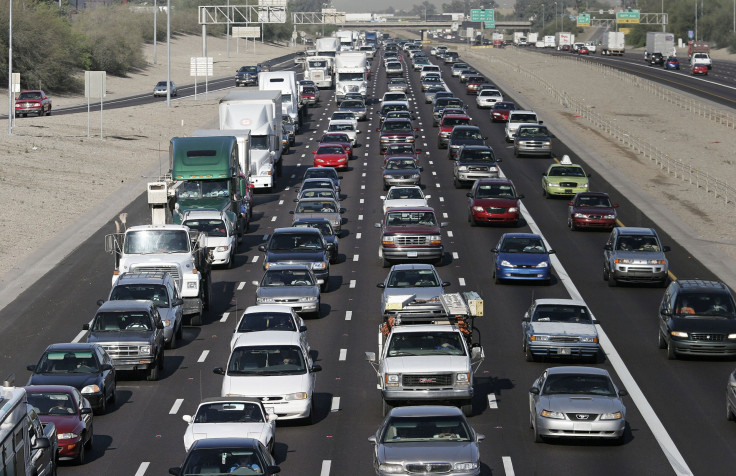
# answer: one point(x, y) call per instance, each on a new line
point(48, 113)
point(153, 372)
point(467, 408)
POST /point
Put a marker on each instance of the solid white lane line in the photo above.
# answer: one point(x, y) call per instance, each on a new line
point(175, 408)
point(348, 315)
point(255, 258)
point(508, 467)
point(492, 403)
point(335, 404)
point(326, 464)
point(142, 468)
point(203, 356)
point(343, 355)
point(225, 315)
point(241, 285)
point(352, 283)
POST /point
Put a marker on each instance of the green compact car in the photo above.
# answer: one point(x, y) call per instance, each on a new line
point(564, 179)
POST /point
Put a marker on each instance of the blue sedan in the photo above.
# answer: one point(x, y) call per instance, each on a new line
point(672, 63)
point(521, 256)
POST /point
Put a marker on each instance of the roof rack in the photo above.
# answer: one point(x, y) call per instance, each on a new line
point(456, 306)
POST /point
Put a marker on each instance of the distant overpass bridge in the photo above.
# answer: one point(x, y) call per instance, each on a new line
point(430, 25)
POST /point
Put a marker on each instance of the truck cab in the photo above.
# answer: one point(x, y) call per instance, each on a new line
point(429, 358)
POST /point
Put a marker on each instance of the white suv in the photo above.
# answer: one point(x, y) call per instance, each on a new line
point(516, 118)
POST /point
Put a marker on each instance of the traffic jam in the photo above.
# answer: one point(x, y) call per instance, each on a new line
point(398, 185)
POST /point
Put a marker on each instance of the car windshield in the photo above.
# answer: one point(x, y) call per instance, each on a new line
point(427, 428)
point(503, 105)
point(69, 361)
point(352, 103)
point(646, 243)
point(430, 78)
point(318, 193)
point(400, 149)
point(316, 63)
point(455, 121)
point(532, 131)
point(398, 114)
point(309, 90)
point(326, 150)
point(295, 241)
point(425, 343)
point(490, 92)
point(467, 134)
point(399, 218)
point(37, 95)
point(400, 164)
point(316, 206)
point(213, 227)
point(561, 313)
point(477, 155)
point(156, 241)
point(259, 142)
point(322, 183)
point(404, 194)
point(150, 292)
point(287, 277)
point(221, 461)
point(340, 127)
point(203, 188)
point(348, 116)
point(133, 321)
point(579, 384)
point(499, 190)
point(51, 403)
point(565, 171)
point(393, 107)
point(413, 278)
point(705, 304)
point(266, 360)
point(394, 97)
point(229, 412)
point(522, 245)
point(323, 226)
point(523, 118)
point(335, 138)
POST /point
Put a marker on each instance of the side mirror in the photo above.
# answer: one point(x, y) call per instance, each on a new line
point(372, 439)
point(218, 371)
point(534, 391)
point(480, 437)
point(175, 471)
point(370, 356)
point(421, 169)
point(445, 284)
point(477, 353)
point(383, 197)
point(381, 285)
point(622, 392)
point(273, 469)
point(261, 247)
point(418, 151)
point(100, 302)
point(520, 196)
point(569, 203)
point(31, 367)
point(314, 152)
point(378, 129)
point(444, 224)
point(291, 212)
point(316, 368)
point(666, 249)
point(469, 195)
point(499, 159)
point(615, 205)
point(177, 302)
point(254, 283)
point(159, 325)
point(86, 411)
point(608, 247)
point(85, 327)
point(377, 225)
point(41, 443)
point(551, 252)
point(187, 418)
point(106, 367)
point(302, 328)
point(540, 122)
point(320, 281)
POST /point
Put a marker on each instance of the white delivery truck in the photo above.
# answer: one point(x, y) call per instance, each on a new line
point(549, 41)
point(284, 81)
point(519, 38)
point(350, 74)
point(612, 43)
point(532, 38)
point(347, 42)
point(564, 40)
point(319, 69)
point(260, 112)
point(327, 46)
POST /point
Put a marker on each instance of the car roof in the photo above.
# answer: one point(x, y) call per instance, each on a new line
point(455, 116)
point(212, 213)
point(328, 144)
point(492, 180)
point(314, 199)
point(396, 119)
point(426, 410)
point(574, 302)
point(126, 305)
point(460, 128)
point(282, 266)
point(71, 346)
point(267, 308)
point(412, 209)
point(292, 229)
point(230, 400)
point(635, 230)
point(692, 285)
point(411, 266)
point(522, 111)
point(213, 443)
point(575, 369)
point(309, 169)
point(143, 277)
point(249, 339)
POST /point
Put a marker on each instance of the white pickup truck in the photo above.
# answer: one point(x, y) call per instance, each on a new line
point(429, 358)
point(701, 59)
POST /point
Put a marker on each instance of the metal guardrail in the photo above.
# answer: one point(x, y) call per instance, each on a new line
point(677, 168)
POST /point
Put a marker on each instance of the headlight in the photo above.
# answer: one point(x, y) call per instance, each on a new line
point(296, 396)
point(465, 466)
point(391, 468)
point(222, 248)
point(609, 217)
point(547, 143)
point(265, 299)
point(543, 264)
point(90, 389)
point(463, 168)
point(513, 210)
point(507, 264)
point(623, 261)
point(656, 261)
point(612, 416)
point(192, 285)
point(580, 215)
point(309, 299)
point(550, 414)
point(391, 380)
point(319, 265)
point(435, 240)
point(589, 340)
point(415, 176)
point(462, 379)
point(678, 334)
point(732, 336)
point(167, 322)
point(478, 209)
point(144, 349)
point(387, 177)
point(68, 436)
point(553, 184)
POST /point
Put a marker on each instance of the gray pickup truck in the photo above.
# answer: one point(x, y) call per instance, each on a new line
point(132, 333)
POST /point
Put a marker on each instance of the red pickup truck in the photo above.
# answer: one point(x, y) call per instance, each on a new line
point(32, 102)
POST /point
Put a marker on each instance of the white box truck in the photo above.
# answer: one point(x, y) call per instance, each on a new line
point(327, 46)
point(564, 40)
point(284, 81)
point(549, 41)
point(350, 74)
point(660, 42)
point(613, 43)
point(519, 38)
point(259, 111)
point(319, 69)
point(532, 38)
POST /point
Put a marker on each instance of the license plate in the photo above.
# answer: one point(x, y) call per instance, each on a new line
point(568, 190)
point(563, 351)
point(411, 254)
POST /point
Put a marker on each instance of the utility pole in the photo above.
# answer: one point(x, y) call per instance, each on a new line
point(155, 25)
point(11, 103)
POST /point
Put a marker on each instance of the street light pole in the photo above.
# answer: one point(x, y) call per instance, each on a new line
point(556, 29)
point(543, 16)
point(11, 112)
point(155, 24)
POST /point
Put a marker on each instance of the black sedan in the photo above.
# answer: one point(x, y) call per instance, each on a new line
point(227, 456)
point(84, 366)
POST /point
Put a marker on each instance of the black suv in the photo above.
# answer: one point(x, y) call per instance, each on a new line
point(463, 136)
point(656, 59)
point(697, 317)
point(473, 162)
point(299, 246)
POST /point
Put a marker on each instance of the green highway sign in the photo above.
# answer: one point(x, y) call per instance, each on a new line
point(490, 24)
point(482, 15)
point(583, 19)
point(628, 17)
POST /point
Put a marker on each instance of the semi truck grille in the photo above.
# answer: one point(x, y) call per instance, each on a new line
point(429, 380)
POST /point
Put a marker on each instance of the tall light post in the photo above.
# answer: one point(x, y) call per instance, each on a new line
point(11, 112)
point(168, 53)
point(543, 17)
point(155, 25)
point(324, 5)
point(557, 29)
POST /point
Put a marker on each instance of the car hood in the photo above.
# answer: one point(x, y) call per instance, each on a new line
point(563, 328)
point(287, 291)
point(523, 258)
point(424, 451)
point(412, 230)
point(329, 156)
point(426, 363)
point(78, 381)
point(266, 386)
point(594, 210)
point(295, 257)
point(63, 423)
point(495, 202)
point(704, 325)
point(580, 403)
point(639, 257)
point(396, 134)
point(120, 336)
point(28, 100)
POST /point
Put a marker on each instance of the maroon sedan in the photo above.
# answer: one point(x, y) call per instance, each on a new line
point(591, 210)
point(700, 69)
point(331, 155)
point(70, 412)
point(338, 138)
point(474, 83)
point(500, 111)
point(493, 200)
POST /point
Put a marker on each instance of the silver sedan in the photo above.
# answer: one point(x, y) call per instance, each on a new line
point(576, 402)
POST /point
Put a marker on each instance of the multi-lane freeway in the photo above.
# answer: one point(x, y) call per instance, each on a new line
point(676, 409)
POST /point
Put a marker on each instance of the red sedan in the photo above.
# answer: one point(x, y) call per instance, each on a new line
point(591, 210)
point(700, 69)
point(473, 84)
point(65, 407)
point(493, 200)
point(583, 50)
point(338, 138)
point(500, 111)
point(331, 155)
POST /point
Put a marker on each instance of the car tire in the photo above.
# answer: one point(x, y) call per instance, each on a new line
point(325, 286)
point(661, 342)
point(79, 460)
point(516, 152)
point(611, 280)
point(537, 437)
point(312, 418)
point(671, 353)
point(103, 406)
point(457, 183)
point(528, 353)
point(496, 279)
point(471, 220)
point(571, 225)
point(153, 373)
point(729, 413)
point(172, 342)
point(40, 113)
point(315, 314)
point(385, 407)
point(196, 319)
point(467, 408)
point(88, 444)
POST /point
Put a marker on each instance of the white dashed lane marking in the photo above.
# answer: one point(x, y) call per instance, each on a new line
point(225, 315)
point(241, 285)
point(255, 258)
point(348, 315)
point(142, 468)
point(352, 283)
point(203, 356)
point(175, 407)
point(492, 403)
point(343, 355)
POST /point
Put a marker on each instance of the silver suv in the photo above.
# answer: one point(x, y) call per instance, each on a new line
point(635, 255)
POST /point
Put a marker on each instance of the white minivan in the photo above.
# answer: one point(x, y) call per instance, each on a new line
point(276, 368)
